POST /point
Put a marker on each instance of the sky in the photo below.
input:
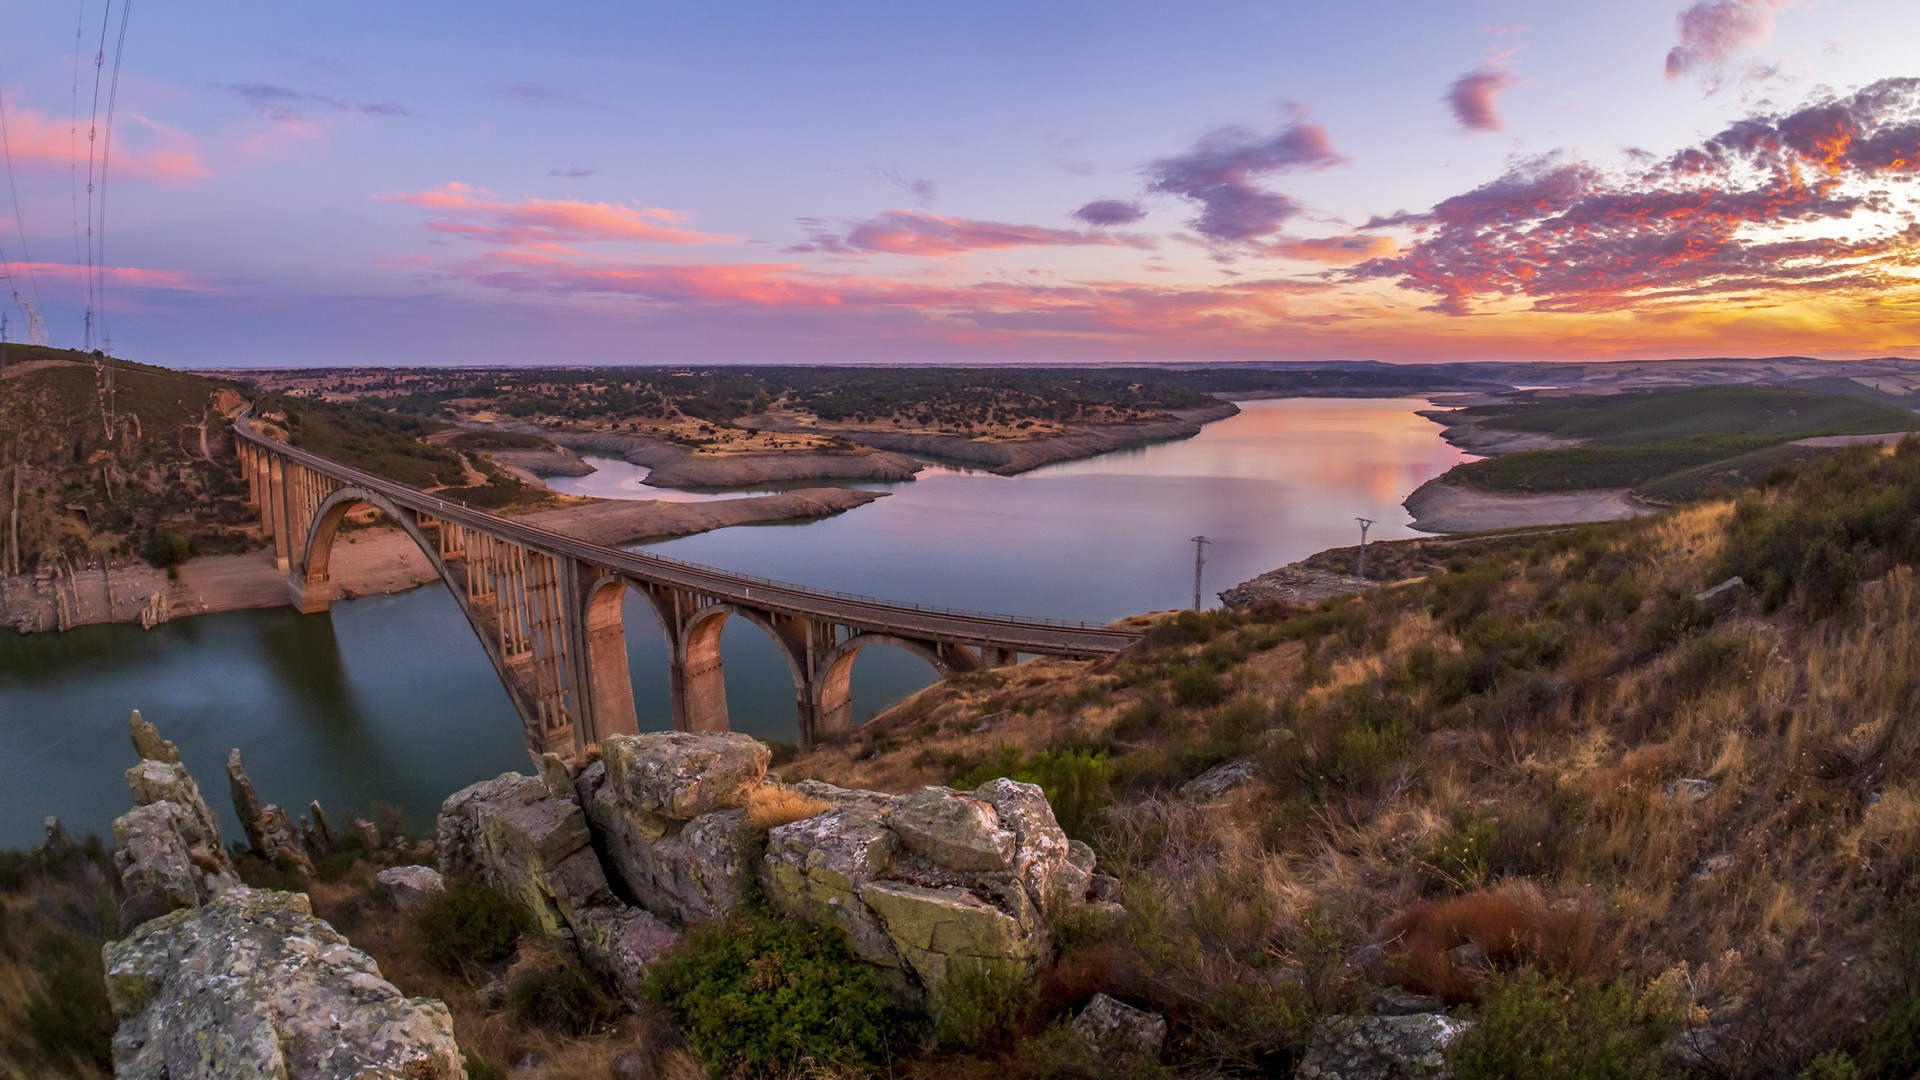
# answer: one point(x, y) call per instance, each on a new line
point(991, 183)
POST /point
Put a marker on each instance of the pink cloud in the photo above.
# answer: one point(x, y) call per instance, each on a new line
point(1712, 31)
point(1755, 212)
point(1472, 97)
point(40, 145)
point(463, 210)
point(119, 276)
point(909, 232)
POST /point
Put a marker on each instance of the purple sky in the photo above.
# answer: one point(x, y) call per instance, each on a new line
point(984, 183)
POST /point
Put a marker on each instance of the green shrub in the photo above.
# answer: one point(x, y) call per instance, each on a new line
point(982, 1005)
point(68, 1018)
point(1198, 687)
point(469, 924)
point(758, 995)
point(1535, 1027)
point(564, 1000)
point(1832, 1065)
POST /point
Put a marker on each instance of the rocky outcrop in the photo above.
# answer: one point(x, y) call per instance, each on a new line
point(270, 832)
point(252, 985)
point(1220, 781)
point(167, 848)
point(216, 980)
point(1380, 1048)
point(915, 882)
point(513, 833)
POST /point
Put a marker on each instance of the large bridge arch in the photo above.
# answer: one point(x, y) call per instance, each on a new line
point(310, 578)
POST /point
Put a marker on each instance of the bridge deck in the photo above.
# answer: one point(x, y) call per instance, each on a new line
point(1037, 635)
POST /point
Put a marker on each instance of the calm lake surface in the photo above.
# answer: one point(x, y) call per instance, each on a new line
point(390, 699)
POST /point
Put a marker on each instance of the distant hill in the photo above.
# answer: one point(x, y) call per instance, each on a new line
point(1642, 418)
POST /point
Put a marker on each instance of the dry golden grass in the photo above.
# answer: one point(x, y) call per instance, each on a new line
point(770, 806)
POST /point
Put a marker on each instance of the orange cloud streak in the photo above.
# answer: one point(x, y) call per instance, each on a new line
point(464, 210)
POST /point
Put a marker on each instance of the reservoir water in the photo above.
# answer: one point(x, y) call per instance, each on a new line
point(390, 699)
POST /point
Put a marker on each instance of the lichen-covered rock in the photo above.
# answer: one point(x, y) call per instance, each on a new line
point(517, 838)
point(1112, 1029)
point(931, 928)
point(410, 887)
point(955, 831)
point(620, 942)
point(253, 986)
point(814, 868)
point(1056, 871)
point(457, 839)
point(160, 868)
point(167, 848)
point(689, 871)
point(1380, 1048)
point(1220, 781)
point(682, 775)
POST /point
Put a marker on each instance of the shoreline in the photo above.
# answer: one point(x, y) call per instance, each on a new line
point(366, 562)
point(671, 466)
point(1443, 506)
point(1013, 458)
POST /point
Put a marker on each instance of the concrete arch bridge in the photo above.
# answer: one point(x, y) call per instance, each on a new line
point(547, 607)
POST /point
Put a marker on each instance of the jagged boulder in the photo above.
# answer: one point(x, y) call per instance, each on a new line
point(814, 869)
point(688, 871)
point(270, 832)
point(535, 847)
point(1112, 1030)
point(682, 775)
point(410, 887)
point(1057, 872)
point(1220, 781)
point(167, 848)
point(1380, 1048)
point(956, 831)
point(933, 928)
point(251, 985)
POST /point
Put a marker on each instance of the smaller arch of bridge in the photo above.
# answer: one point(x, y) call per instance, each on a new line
point(699, 683)
point(833, 677)
point(316, 554)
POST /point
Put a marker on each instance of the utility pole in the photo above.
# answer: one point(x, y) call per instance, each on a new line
point(1365, 524)
point(1199, 560)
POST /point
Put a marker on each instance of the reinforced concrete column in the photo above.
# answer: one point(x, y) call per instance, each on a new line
point(696, 678)
point(276, 509)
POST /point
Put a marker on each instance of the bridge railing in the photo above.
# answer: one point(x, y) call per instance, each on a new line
point(563, 541)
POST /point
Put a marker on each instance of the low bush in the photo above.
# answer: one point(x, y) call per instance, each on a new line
point(982, 1005)
point(1198, 687)
point(468, 925)
point(1543, 1029)
point(563, 999)
point(1513, 925)
point(760, 996)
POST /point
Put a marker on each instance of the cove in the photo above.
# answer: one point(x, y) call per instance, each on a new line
point(390, 699)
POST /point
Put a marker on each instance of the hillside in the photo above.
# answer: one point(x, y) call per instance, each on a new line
point(1669, 446)
point(1555, 754)
point(150, 477)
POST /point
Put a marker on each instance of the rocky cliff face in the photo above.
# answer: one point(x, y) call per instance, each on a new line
point(214, 979)
point(655, 836)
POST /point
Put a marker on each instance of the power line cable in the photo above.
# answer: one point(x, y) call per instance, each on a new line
point(106, 160)
point(6, 146)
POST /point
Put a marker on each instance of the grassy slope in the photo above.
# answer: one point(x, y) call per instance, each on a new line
point(88, 495)
point(1495, 750)
point(1675, 444)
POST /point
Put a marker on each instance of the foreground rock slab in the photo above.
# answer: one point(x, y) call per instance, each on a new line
point(1381, 1048)
point(251, 985)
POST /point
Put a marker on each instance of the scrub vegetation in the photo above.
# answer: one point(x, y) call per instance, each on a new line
point(1542, 781)
point(1671, 446)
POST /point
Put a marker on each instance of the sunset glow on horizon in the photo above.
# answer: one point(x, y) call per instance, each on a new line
point(857, 183)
